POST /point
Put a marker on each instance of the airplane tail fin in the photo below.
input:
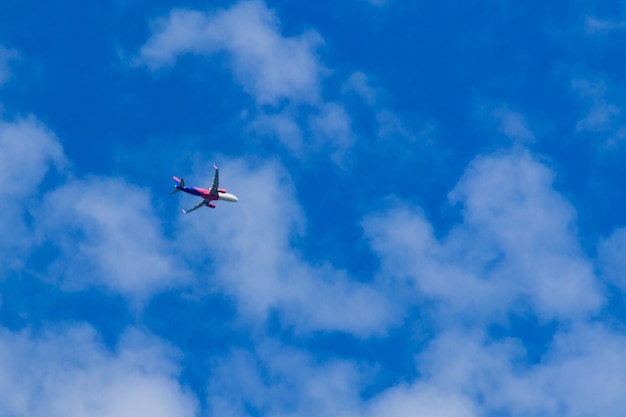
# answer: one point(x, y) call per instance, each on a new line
point(180, 184)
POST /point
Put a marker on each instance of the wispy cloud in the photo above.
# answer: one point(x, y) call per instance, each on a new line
point(513, 125)
point(28, 151)
point(612, 260)
point(108, 235)
point(517, 244)
point(269, 66)
point(66, 371)
point(332, 128)
point(501, 118)
point(602, 110)
point(6, 56)
point(422, 399)
point(464, 373)
point(360, 84)
point(284, 127)
point(601, 113)
point(252, 257)
point(516, 253)
point(283, 74)
point(594, 25)
point(494, 307)
point(275, 380)
point(95, 232)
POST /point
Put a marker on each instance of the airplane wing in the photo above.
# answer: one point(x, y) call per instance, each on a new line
point(216, 181)
point(197, 206)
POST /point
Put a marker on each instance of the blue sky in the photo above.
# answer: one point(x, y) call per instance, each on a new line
point(431, 216)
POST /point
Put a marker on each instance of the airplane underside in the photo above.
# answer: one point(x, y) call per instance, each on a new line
point(208, 196)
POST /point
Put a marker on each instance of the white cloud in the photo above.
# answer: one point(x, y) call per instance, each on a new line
point(249, 253)
point(28, 151)
point(516, 248)
point(465, 373)
point(269, 66)
point(282, 73)
point(278, 381)
point(108, 235)
point(68, 372)
point(274, 69)
point(586, 371)
point(493, 374)
point(101, 232)
point(580, 374)
point(461, 373)
point(510, 199)
point(422, 400)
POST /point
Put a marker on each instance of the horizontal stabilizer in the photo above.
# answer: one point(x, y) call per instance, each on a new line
point(179, 186)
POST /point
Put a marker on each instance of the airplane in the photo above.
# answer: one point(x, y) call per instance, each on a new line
point(208, 196)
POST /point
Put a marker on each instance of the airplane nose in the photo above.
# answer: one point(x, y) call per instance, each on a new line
point(229, 197)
